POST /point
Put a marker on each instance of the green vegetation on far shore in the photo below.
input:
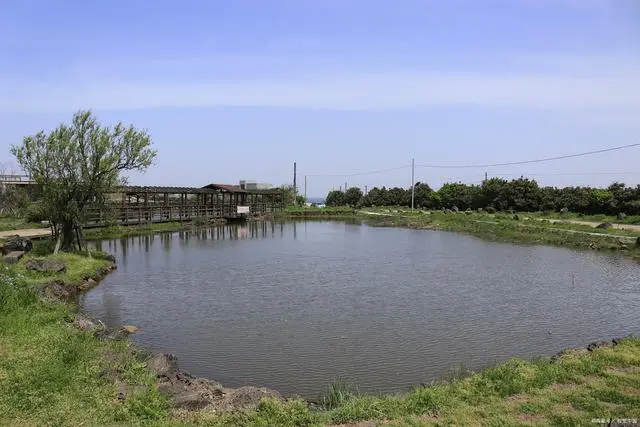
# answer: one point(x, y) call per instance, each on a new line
point(313, 212)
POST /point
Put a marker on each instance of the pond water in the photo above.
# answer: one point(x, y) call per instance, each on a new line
point(294, 306)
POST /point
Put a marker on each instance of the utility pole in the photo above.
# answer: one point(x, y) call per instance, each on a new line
point(305, 188)
point(485, 176)
point(366, 189)
point(295, 188)
point(413, 184)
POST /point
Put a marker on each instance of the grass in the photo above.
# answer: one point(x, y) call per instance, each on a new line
point(629, 219)
point(50, 372)
point(311, 212)
point(78, 266)
point(11, 223)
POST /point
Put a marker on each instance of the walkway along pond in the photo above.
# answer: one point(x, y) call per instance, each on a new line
point(292, 306)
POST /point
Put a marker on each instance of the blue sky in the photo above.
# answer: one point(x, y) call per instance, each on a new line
point(242, 89)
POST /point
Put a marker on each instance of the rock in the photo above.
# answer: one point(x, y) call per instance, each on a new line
point(111, 334)
point(564, 211)
point(621, 215)
point(13, 257)
point(125, 390)
point(516, 217)
point(480, 210)
point(468, 212)
point(45, 224)
point(84, 323)
point(58, 290)
point(184, 390)
point(599, 344)
point(455, 208)
point(45, 265)
point(16, 243)
point(605, 225)
point(245, 399)
point(130, 329)
point(163, 364)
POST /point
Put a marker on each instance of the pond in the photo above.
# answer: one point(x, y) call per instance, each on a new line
point(293, 306)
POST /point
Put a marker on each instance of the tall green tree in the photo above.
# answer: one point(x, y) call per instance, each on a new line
point(352, 196)
point(422, 195)
point(335, 198)
point(77, 164)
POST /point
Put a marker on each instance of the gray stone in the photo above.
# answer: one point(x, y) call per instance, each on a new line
point(45, 265)
point(84, 323)
point(564, 211)
point(16, 243)
point(163, 364)
point(605, 225)
point(516, 217)
point(622, 215)
point(13, 257)
point(599, 344)
point(245, 399)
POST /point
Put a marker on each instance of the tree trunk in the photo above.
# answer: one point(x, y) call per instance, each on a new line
point(67, 235)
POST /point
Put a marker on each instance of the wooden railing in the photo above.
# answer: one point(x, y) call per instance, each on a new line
point(133, 213)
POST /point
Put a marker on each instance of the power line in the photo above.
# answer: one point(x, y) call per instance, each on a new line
point(360, 173)
point(546, 159)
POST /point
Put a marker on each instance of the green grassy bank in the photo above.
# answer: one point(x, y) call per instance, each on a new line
point(527, 228)
point(329, 212)
point(50, 372)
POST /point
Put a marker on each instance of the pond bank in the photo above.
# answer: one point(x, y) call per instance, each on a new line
point(96, 378)
point(515, 228)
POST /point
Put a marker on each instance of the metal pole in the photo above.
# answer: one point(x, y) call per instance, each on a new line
point(295, 188)
point(413, 185)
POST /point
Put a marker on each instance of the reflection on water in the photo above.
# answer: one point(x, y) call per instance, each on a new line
point(293, 305)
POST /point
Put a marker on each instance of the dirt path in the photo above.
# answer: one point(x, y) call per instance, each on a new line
point(29, 233)
point(627, 227)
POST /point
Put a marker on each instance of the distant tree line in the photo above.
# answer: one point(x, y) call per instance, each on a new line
point(520, 194)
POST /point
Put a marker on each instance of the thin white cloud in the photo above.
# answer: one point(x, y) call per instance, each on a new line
point(360, 91)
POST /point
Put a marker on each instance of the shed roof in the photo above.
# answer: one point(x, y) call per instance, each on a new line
point(162, 189)
point(228, 188)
